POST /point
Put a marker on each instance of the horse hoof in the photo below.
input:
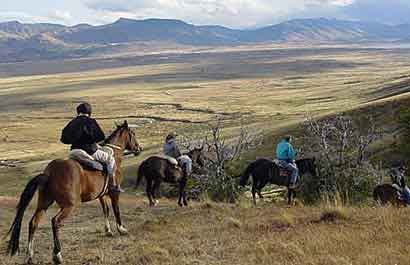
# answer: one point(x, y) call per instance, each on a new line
point(122, 230)
point(185, 203)
point(29, 261)
point(156, 202)
point(109, 234)
point(58, 259)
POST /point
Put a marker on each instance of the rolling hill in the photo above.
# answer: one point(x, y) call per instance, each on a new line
point(30, 41)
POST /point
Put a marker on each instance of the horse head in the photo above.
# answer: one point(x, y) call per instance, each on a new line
point(125, 137)
point(307, 165)
point(197, 156)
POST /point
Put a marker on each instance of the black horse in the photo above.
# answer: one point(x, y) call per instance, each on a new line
point(264, 171)
point(390, 193)
point(156, 169)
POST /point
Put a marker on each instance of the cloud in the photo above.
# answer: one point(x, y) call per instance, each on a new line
point(389, 11)
point(60, 16)
point(234, 13)
point(55, 16)
point(20, 16)
point(231, 13)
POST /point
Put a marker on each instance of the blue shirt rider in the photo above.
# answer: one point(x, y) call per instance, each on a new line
point(286, 156)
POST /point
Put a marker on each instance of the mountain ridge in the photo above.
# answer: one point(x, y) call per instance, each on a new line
point(125, 30)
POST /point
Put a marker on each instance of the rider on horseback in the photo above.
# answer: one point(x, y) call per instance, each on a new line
point(171, 149)
point(83, 132)
point(286, 156)
point(399, 183)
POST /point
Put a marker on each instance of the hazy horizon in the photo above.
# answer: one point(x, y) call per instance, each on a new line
point(230, 13)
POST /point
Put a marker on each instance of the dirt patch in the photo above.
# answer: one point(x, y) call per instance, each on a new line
point(7, 201)
point(274, 227)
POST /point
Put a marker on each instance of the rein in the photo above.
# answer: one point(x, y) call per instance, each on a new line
point(114, 146)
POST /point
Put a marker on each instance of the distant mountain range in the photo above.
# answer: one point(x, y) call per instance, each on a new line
point(46, 41)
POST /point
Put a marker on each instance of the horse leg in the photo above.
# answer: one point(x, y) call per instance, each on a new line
point(290, 191)
point(149, 192)
point(106, 211)
point(155, 190)
point(253, 190)
point(182, 193)
point(42, 206)
point(33, 225)
point(115, 199)
point(57, 223)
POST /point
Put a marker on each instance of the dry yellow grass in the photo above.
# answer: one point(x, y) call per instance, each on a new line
point(209, 233)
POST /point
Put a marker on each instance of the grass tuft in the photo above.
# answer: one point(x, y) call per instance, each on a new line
point(333, 215)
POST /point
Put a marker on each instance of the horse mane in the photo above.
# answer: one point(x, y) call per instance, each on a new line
point(112, 135)
point(305, 165)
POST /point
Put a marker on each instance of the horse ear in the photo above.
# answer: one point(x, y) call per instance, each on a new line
point(125, 124)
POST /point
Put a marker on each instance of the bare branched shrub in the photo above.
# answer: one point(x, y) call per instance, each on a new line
point(342, 149)
point(222, 186)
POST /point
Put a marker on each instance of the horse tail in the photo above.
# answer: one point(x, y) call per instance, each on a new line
point(245, 175)
point(25, 199)
point(141, 170)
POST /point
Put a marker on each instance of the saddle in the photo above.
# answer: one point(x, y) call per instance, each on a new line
point(86, 161)
point(170, 159)
point(283, 172)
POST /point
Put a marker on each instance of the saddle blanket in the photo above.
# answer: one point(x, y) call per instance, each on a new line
point(87, 161)
point(170, 159)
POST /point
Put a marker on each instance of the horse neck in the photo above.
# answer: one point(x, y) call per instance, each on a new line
point(190, 154)
point(301, 165)
point(118, 146)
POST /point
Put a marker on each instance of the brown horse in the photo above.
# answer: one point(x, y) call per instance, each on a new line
point(68, 184)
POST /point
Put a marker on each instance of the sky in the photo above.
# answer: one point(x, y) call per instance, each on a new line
point(230, 13)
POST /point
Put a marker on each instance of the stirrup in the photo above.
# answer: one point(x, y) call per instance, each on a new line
point(115, 189)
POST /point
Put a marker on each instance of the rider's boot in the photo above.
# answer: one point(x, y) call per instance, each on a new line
point(113, 187)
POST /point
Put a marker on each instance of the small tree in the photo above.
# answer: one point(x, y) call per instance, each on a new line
point(222, 186)
point(342, 149)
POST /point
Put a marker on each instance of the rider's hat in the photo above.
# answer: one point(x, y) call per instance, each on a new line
point(84, 108)
point(171, 135)
point(287, 137)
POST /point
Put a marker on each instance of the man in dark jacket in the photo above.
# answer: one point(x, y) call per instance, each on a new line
point(83, 132)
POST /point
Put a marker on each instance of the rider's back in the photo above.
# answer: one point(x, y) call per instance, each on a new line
point(83, 133)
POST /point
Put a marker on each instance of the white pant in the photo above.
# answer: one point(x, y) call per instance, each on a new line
point(107, 159)
point(185, 162)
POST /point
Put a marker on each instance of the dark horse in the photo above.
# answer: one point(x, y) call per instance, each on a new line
point(264, 171)
point(390, 193)
point(156, 169)
point(387, 193)
point(68, 184)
